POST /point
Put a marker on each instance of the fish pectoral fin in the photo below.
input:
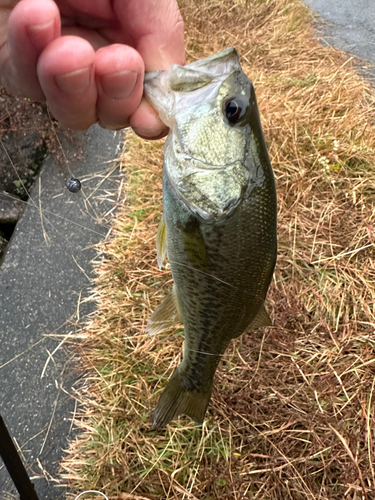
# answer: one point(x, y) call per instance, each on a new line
point(194, 244)
point(261, 319)
point(165, 315)
point(161, 242)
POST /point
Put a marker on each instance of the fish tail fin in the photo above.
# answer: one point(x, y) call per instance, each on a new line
point(177, 399)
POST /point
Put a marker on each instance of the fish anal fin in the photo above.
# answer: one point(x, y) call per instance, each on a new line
point(177, 400)
point(161, 242)
point(261, 319)
point(167, 314)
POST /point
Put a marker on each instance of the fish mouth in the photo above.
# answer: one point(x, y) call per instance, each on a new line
point(221, 63)
point(217, 64)
point(167, 90)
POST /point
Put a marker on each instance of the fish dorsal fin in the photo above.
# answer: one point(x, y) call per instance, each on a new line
point(161, 242)
point(261, 319)
point(167, 314)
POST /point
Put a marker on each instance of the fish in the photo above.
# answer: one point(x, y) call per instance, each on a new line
point(218, 228)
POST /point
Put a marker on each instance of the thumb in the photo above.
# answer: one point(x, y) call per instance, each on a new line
point(157, 29)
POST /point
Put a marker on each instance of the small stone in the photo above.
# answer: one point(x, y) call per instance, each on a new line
point(10, 208)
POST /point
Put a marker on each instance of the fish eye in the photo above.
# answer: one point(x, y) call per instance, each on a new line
point(233, 109)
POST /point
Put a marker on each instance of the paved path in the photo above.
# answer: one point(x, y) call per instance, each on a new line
point(351, 25)
point(46, 268)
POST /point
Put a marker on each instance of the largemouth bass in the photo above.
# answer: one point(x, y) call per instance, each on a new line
point(218, 228)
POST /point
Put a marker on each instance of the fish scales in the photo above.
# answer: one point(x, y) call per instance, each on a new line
point(219, 220)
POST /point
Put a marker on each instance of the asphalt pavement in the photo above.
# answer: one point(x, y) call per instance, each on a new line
point(349, 25)
point(44, 280)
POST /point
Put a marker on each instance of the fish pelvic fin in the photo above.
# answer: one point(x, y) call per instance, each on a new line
point(167, 314)
point(161, 242)
point(177, 399)
point(261, 319)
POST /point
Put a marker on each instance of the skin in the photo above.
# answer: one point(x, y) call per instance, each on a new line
point(87, 58)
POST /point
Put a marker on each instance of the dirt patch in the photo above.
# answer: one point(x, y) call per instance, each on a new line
point(26, 133)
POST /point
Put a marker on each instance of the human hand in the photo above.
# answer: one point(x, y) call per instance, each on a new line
point(87, 58)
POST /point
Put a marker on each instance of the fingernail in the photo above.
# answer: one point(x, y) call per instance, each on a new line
point(110, 126)
point(152, 134)
point(74, 83)
point(119, 85)
point(40, 35)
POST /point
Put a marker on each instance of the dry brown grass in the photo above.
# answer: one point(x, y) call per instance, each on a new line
point(292, 413)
